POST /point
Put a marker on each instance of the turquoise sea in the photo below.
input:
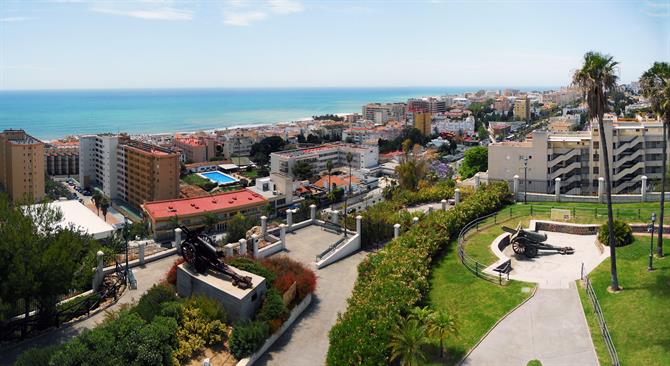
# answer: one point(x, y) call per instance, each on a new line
point(54, 114)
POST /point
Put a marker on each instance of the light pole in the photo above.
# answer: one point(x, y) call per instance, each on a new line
point(125, 237)
point(525, 179)
point(650, 228)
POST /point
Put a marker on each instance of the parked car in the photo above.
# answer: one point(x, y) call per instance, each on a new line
point(86, 193)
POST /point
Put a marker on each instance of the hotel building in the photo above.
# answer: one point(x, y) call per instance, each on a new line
point(21, 165)
point(364, 157)
point(196, 149)
point(62, 158)
point(634, 148)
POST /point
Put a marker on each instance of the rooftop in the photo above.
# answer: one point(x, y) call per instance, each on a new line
point(77, 215)
point(192, 206)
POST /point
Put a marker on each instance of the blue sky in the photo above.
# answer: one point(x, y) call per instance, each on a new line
point(285, 43)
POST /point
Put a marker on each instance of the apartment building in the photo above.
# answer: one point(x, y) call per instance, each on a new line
point(371, 135)
point(196, 149)
point(522, 108)
point(423, 122)
point(21, 165)
point(151, 173)
point(382, 113)
point(98, 162)
point(62, 159)
point(237, 145)
point(464, 126)
point(364, 157)
point(634, 146)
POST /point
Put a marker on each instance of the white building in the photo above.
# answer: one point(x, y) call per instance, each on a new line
point(98, 162)
point(80, 218)
point(237, 146)
point(442, 123)
point(364, 157)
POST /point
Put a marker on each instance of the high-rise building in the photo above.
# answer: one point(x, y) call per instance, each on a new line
point(382, 113)
point(522, 108)
point(62, 158)
point(423, 122)
point(98, 162)
point(196, 149)
point(151, 172)
point(21, 165)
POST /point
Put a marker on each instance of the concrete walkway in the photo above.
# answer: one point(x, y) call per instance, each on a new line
point(550, 327)
point(146, 276)
point(306, 342)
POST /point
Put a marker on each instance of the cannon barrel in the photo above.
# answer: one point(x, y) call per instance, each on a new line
point(531, 235)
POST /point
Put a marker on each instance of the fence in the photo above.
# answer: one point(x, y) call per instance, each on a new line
point(601, 322)
point(585, 213)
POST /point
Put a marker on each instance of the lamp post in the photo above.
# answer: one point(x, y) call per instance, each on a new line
point(525, 179)
point(125, 237)
point(650, 229)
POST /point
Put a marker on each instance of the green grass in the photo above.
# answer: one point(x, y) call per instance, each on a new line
point(251, 175)
point(637, 316)
point(534, 363)
point(196, 180)
point(475, 304)
point(597, 213)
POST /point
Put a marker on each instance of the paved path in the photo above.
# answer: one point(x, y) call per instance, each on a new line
point(550, 327)
point(306, 342)
point(146, 277)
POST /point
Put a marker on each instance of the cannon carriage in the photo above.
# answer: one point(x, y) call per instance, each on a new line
point(529, 243)
point(198, 249)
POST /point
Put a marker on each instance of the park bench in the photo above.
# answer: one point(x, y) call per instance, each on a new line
point(505, 267)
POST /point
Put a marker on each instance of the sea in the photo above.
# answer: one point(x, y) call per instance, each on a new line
point(52, 114)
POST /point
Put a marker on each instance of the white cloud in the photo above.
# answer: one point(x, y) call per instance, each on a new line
point(242, 19)
point(657, 9)
point(162, 13)
point(244, 12)
point(14, 19)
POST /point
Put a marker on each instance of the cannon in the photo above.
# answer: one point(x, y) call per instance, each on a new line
point(199, 251)
point(528, 242)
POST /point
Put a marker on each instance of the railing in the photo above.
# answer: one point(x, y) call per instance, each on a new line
point(601, 322)
point(330, 249)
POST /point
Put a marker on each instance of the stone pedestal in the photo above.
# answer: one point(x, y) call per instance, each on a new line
point(396, 230)
point(516, 187)
point(140, 252)
point(557, 189)
point(643, 188)
point(312, 213)
point(239, 304)
point(177, 240)
point(359, 224)
point(477, 181)
point(243, 246)
point(264, 226)
point(601, 189)
point(457, 196)
point(444, 205)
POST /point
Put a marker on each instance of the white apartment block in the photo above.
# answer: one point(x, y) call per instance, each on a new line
point(98, 162)
point(382, 113)
point(634, 148)
point(442, 123)
point(364, 157)
point(237, 146)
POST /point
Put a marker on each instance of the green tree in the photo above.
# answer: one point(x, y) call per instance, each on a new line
point(655, 86)
point(476, 160)
point(302, 170)
point(210, 221)
point(441, 324)
point(329, 168)
point(482, 133)
point(407, 342)
point(97, 199)
point(237, 228)
point(260, 151)
point(597, 78)
point(104, 206)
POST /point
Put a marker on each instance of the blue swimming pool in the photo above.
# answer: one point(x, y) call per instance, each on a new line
point(218, 177)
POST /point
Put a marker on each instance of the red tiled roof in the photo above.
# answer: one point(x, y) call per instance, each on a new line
point(201, 205)
point(191, 141)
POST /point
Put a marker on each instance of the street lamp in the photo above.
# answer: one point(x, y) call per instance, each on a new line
point(125, 237)
point(650, 228)
point(525, 179)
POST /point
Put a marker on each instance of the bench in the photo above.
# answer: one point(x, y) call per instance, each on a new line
point(505, 267)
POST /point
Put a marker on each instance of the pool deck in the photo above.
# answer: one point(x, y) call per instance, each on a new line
point(220, 178)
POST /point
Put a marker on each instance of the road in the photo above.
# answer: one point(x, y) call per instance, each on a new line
point(152, 273)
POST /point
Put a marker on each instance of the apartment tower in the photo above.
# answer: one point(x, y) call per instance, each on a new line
point(21, 165)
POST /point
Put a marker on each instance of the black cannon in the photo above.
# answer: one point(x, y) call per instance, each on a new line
point(199, 251)
point(529, 243)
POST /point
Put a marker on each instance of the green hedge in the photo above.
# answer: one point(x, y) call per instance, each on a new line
point(393, 280)
point(247, 337)
point(623, 234)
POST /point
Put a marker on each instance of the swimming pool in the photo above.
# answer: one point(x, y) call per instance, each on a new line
point(218, 177)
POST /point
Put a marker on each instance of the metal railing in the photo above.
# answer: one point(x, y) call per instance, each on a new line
point(601, 322)
point(330, 249)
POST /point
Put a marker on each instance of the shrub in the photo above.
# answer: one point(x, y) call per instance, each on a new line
point(623, 234)
point(150, 304)
point(209, 308)
point(247, 337)
point(253, 266)
point(395, 279)
point(273, 308)
point(283, 266)
point(171, 275)
point(172, 309)
point(196, 330)
point(36, 356)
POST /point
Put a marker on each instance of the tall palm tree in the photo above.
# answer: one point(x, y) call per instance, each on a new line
point(97, 199)
point(349, 159)
point(655, 85)
point(597, 78)
point(440, 324)
point(104, 206)
point(329, 168)
point(407, 342)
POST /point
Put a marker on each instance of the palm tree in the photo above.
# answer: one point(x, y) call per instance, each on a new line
point(349, 159)
point(210, 220)
point(97, 199)
point(440, 324)
point(422, 314)
point(329, 168)
point(655, 85)
point(104, 206)
point(407, 341)
point(597, 78)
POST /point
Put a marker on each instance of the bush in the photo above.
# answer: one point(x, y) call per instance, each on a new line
point(197, 329)
point(172, 309)
point(253, 266)
point(273, 308)
point(209, 308)
point(287, 270)
point(247, 337)
point(171, 275)
point(36, 356)
point(395, 279)
point(150, 304)
point(623, 234)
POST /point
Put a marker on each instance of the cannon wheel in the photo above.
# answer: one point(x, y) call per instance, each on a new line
point(518, 247)
point(188, 252)
point(530, 251)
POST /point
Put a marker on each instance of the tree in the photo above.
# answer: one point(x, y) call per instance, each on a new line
point(440, 324)
point(412, 168)
point(313, 139)
point(482, 133)
point(597, 78)
point(476, 160)
point(329, 168)
point(237, 228)
point(302, 170)
point(210, 221)
point(655, 86)
point(407, 342)
point(260, 151)
point(104, 206)
point(97, 200)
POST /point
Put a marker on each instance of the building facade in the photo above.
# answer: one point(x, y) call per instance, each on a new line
point(423, 121)
point(634, 146)
point(196, 150)
point(61, 160)
point(364, 157)
point(193, 212)
point(522, 108)
point(21, 165)
point(151, 173)
point(382, 113)
point(98, 162)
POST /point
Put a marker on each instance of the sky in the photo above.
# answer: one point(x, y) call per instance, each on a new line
point(80, 44)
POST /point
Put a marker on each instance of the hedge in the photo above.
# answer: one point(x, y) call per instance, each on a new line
point(623, 234)
point(395, 279)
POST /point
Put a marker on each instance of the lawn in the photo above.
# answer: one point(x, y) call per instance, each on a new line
point(196, 180)
point(637, 316)
point(475, 304)
point(478, 240)
point(249, 174)
point(594, 212)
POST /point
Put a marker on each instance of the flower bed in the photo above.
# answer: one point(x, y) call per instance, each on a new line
point(395, 279)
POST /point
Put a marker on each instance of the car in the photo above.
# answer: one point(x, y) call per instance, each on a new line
point(86, 193)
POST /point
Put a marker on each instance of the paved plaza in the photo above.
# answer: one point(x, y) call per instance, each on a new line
point(306, 341)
